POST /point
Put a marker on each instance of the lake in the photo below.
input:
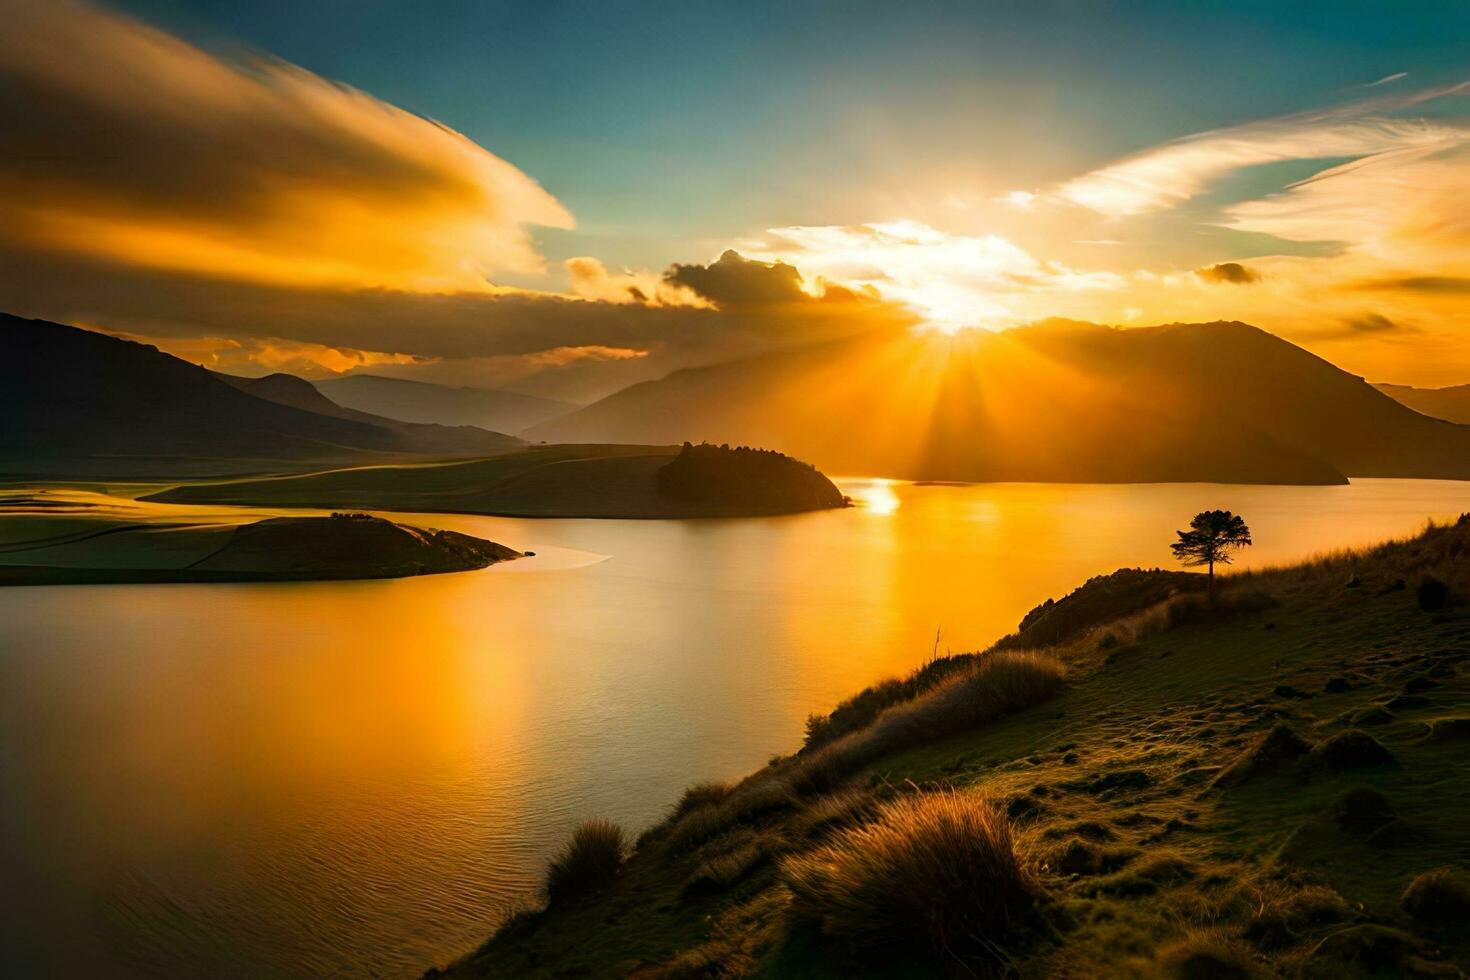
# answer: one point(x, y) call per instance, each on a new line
point(360, 779)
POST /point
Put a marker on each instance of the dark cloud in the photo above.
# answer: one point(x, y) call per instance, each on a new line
point(1371, 323)
point(1451, 285)
point(1228, 272)
point(735, 281)
point(458, 331)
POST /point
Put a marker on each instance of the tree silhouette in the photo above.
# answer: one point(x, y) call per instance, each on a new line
point(1212, 536)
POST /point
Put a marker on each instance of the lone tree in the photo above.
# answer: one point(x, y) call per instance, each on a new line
point(1212, 536)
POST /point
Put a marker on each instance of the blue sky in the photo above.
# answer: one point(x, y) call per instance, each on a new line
point(257, 185)
point(670, 128)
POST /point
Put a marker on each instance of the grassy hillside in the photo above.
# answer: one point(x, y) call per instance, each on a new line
point(1264, 785)
point(547, 481)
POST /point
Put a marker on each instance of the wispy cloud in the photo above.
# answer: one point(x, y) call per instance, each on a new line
point(122, 142)
point(1386, 79)
point(1167, 175)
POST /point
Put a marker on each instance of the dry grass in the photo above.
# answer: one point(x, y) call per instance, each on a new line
point(993, 686)
point(939, 869)
point(588, 864)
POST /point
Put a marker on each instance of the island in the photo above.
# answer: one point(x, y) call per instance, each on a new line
point(598, 481)
point(276, 549)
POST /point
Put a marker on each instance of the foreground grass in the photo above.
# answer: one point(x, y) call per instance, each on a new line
point(1277, 784)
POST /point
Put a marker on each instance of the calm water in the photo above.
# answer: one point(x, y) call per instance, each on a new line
point(357, 779)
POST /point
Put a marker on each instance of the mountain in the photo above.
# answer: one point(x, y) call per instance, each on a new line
point(81, 403)
point(294, 392)
point(1451, 404)
point(1059, 401)
point(419, 401)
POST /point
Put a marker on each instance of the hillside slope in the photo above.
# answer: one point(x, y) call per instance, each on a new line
point(1059, 401)
point(419, 401)
point(1451, 404)
point(81, 403)
point(1257, 788)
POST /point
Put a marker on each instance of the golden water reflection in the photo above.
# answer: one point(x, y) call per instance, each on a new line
point(359, 778)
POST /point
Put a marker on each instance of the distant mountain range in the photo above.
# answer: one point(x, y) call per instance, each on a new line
point(76, 402)
point(418, 401)
point(1058, 401)
point(1451, 404)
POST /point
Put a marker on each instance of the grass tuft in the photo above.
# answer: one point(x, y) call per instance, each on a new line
point(588, 864)
point(941, 869)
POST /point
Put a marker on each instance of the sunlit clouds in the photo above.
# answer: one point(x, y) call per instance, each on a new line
point(124, 143)
point(950, 281)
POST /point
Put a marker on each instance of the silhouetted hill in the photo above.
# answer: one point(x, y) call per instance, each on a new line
point(1059, 401)
point(1451, 404)
point(81, 403)
point(755, 479)
point(287, 389)
point(419, 401)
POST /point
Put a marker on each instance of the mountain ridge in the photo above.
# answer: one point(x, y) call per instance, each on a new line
point(84, 403)
point(1059, 401)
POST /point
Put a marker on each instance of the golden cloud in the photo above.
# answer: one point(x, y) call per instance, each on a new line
point(125, 143)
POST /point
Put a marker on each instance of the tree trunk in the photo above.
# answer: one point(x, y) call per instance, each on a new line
point(1212, 581)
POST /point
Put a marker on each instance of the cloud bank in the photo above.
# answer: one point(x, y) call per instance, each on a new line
point(122, 142)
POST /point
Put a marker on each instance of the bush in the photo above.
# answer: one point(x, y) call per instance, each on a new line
point(588, 864)
point(941, 869)
point(1432, 594)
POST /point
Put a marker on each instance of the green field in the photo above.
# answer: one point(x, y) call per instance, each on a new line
point(1163, 838)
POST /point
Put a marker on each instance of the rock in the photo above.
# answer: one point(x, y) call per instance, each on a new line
point(1371, 948)
point(1078, 858)
point(1348, 751)
point(1371, 716)
point(1337, 685)
point(1023, 808)
point(1118, 779)
point(1448, 729)
point(1408, 702)
point(1419, 685)
point(1362, 810)
point(1273, 752)
point(1438, 898)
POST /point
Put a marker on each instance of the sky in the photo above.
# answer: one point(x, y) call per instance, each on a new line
point(564, 198)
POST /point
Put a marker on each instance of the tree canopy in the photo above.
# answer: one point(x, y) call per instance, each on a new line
point(1212, 536)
